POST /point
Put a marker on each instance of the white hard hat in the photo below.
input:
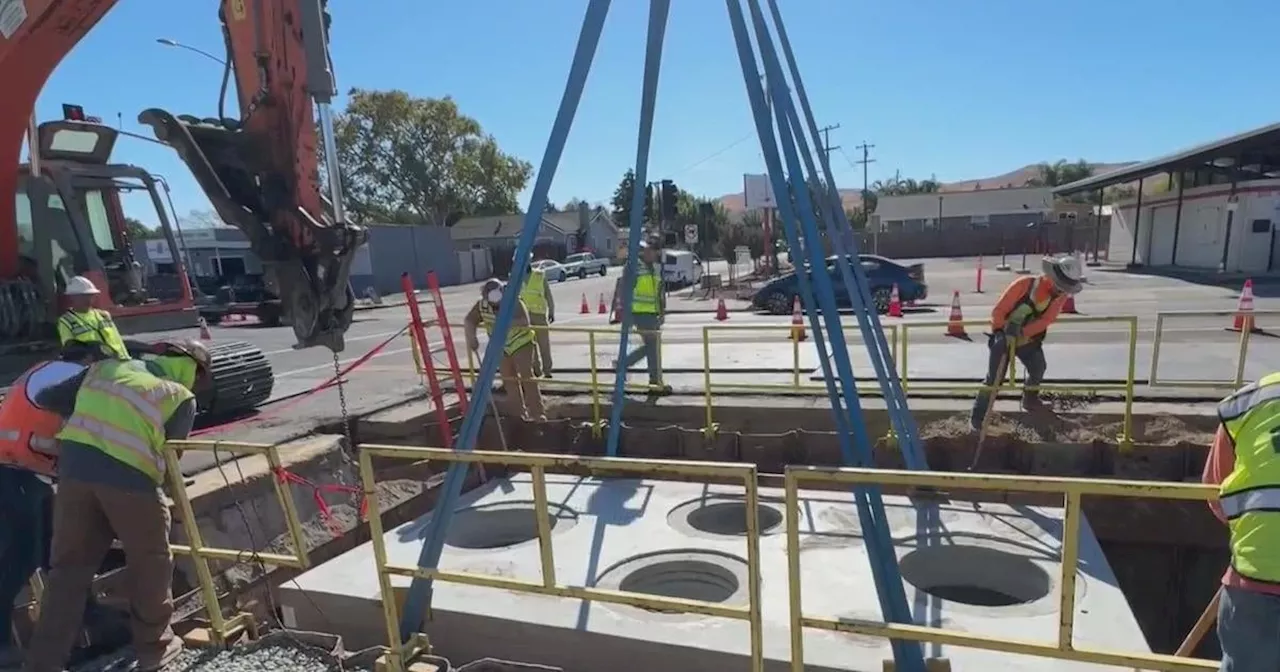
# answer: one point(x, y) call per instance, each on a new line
point(81, 286)
point(1065, 272)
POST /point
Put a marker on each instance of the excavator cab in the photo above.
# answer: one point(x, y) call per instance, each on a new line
point(71, 220)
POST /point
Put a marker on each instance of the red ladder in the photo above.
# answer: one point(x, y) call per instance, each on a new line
point(425, 355)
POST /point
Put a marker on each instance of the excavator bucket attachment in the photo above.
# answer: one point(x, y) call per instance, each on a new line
point(307, 256)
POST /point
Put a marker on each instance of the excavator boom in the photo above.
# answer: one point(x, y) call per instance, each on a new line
point(260, 169)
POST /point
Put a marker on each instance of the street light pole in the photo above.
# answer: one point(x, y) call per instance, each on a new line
point(176, 44)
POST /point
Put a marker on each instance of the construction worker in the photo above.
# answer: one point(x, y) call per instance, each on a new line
point(524, 398)
point(28, 461)
point(1244, 464)
point(648, 309)
point(537, 298)
point(87, 324)
point(110, 474)
point(1022, 316)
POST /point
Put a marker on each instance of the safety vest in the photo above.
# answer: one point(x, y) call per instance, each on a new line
point(93, 327)
point(1250, 495)
point(647, 298)
point(1028, 309)
point(27, 431)
point(121, 410)
point(517, 337)
point(534, 293)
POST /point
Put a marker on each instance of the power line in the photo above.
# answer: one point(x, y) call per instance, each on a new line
point(714, 154)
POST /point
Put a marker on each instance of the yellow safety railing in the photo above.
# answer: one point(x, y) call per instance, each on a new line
point(1072, 489)
point(1241, 355)
point(798, 373)
point(594, 385)
point(223, 629)
point(1128, 322)
point(538, 465)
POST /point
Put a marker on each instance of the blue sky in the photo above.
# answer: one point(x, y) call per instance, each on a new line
point(957, 90)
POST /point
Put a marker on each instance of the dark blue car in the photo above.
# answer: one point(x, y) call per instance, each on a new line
point(883, 273)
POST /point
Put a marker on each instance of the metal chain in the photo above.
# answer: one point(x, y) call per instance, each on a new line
point(348, 451)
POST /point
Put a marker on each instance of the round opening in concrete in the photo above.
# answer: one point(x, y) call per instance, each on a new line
point(503, 524)
point(688, 579)
point(723, 516)
point(975, 575)
point(690, 574)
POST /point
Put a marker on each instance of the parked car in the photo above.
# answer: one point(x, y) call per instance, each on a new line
point(681, 268)
point(551, 269)
point(883, 273)
point(583, 264)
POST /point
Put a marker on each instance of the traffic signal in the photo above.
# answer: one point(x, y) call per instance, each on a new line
point(649, 210)
point(668, 199)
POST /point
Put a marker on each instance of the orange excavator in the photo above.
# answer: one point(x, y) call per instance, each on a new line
point(261, 170)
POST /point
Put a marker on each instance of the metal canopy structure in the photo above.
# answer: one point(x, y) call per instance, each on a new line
point(1252, 155)
point(785, 143)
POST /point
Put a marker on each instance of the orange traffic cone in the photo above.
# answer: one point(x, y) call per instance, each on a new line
point(895, 303)
point(797, 321)
point(616, 316)
point(1070, 306)
point(586, 308)
point(601, 309)
point(955, 321)
point(722, 313)
point(1244, 309)
point(205, 334)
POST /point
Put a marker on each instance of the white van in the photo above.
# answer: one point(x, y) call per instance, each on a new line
point(681, 268)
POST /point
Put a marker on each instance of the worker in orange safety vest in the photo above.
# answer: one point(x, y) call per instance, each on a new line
point(28, 461)
point(1021, 319)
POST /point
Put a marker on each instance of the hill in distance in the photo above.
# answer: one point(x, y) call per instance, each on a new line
point(852, 198)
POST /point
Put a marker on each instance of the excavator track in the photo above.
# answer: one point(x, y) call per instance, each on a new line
point(242, 380)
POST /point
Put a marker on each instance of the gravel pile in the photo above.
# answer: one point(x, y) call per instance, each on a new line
point(267, 656)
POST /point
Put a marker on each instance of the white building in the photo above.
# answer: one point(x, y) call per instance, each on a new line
point(1012, 208)
point(1213, 207)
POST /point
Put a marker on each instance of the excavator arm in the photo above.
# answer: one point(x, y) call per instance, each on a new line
point(260, 169)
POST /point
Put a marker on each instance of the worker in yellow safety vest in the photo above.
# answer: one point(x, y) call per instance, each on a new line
point(85, 324)
point(537, 298)
point(648, 310)
point(523, 396)
point(111, 471)
point(1244, 462)
point(1021, 318)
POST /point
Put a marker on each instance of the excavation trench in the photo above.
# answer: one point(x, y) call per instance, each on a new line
point(1167, 556)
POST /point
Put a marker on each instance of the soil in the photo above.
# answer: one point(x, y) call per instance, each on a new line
point(1073, 428)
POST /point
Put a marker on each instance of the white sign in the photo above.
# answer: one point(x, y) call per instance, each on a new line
point(757, 192)
point(691, 234)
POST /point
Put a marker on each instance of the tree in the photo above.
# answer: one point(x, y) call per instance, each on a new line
point(622, 201)
point(139, 231)
point(1060, 172)
point(897, 186)
point(421, 161)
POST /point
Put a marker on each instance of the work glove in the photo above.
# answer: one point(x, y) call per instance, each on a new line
point(551, 318)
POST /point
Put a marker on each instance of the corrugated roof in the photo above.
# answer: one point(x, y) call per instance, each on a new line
point(1229, 147)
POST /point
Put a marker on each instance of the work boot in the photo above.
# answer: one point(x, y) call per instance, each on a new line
point(659, 389)
point(1032, 402)
point(170, 653)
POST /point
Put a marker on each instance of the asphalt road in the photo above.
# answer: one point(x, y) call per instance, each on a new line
point(751, 340)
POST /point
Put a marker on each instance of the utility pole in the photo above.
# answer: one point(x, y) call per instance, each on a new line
point(826, 140)
point(866, 160)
